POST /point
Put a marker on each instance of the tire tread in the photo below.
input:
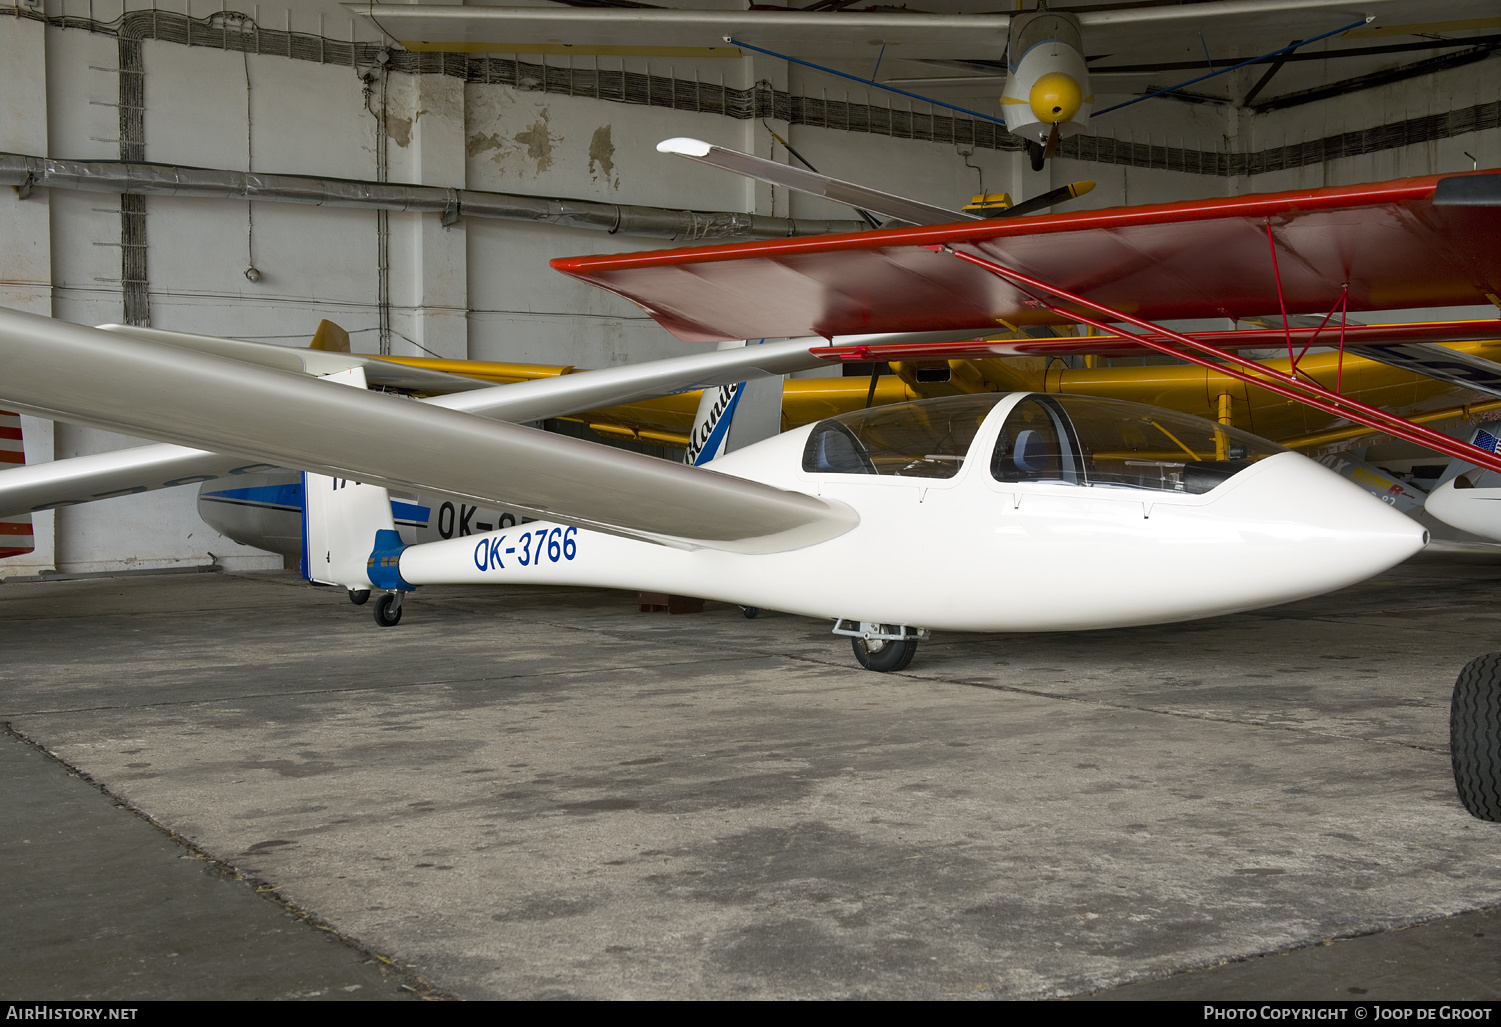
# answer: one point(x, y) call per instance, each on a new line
point(894, 658)
point(1475, 736)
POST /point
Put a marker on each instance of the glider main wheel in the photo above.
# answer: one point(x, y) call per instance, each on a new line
point(387, 611)
point(750, 612)
point(359, 596)
point(884, 655)
point(1475, 736)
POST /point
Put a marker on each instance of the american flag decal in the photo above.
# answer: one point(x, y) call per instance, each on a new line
point(1485, 440)
point(15, 532)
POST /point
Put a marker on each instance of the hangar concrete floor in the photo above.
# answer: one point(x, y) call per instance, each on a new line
point(238, 786)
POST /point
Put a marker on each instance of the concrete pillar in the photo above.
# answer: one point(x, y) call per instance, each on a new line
point(429, 261)
point(761, 198)
point(1026, 183)
point(25, 225)
point(441, 252)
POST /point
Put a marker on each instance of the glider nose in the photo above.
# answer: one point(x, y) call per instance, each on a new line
point(1343, 534)
point(1055, 97)
point(1477, 511)
point(1303, 530)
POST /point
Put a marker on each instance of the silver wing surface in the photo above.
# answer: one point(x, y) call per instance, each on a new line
point(121, 383)
point(126, 472)
point(378, 372)
point(521, 401)
point(913, 212)
point(516, 27)
point(123, 472)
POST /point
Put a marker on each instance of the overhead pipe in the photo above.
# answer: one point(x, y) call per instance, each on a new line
point(139, 178)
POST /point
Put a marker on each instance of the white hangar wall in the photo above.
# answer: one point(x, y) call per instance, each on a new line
point(481, 288)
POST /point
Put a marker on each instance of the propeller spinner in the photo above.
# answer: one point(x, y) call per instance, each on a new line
point(1047, 94)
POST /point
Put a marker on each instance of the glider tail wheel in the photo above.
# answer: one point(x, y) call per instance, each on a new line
point(1475, 736)
point(388, 610)
point(884, 655)
point(359, 596)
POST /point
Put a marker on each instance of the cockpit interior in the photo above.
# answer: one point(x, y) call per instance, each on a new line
point(1064, 439)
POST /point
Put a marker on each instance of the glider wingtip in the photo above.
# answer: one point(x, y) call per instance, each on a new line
point(684, 146)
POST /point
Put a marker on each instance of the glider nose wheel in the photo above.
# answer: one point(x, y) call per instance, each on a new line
point(1475, 736)
point(884, 655)
point(388, 610)
point(359, 596)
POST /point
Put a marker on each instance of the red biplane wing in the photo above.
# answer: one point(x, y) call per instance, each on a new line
point(1197, 259)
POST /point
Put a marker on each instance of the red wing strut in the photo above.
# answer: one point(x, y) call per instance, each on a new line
point(1367, 337)
point(1291, 385)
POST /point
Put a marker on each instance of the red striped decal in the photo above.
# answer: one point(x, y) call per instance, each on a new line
point(15, 529)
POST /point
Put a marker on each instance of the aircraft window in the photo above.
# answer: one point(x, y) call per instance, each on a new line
point(1041, 29)
point(1114, 444)
point(833, 449)
point(1036, 444)
point(928, 439)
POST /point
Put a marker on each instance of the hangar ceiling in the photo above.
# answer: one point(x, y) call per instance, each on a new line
point(957, 47)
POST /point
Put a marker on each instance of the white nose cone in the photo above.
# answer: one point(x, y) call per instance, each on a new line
point(1477, 511)
point(1320, 532)
point(1291, 529)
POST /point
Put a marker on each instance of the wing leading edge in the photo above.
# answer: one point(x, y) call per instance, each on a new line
point(528, 26)
point(112, 381)
point(85, 479)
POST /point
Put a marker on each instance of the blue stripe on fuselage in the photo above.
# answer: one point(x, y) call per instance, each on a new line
point(410, 513)
point(289, 497)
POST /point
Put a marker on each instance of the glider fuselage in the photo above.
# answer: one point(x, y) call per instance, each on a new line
point(973, 552)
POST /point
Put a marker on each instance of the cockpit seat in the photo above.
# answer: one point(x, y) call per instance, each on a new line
point(1031, 452)
point(1034, 456)
point(832, 449)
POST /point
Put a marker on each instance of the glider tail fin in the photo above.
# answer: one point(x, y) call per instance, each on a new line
point(343, 522)
point(16, 537)
point(330, 338)
point(732, 417)
point(347, 527)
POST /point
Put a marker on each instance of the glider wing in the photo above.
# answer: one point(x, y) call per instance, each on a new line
point(119, 383)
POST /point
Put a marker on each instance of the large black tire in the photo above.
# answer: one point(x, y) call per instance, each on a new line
point(359, 596)
point(384, 615)
point(1475, 736)
point(882, 655)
